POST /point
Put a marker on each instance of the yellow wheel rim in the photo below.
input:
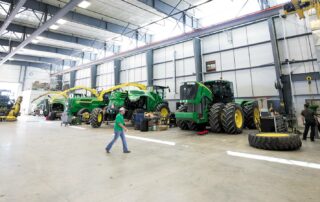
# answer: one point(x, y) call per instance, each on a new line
point(272, 135)
point(86, 115)
point(256, 117)
point(99, 117)
point(238, 118)
point(164, 112)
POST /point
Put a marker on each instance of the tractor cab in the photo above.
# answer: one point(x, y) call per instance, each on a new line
point(222, 91)
point(160, 90)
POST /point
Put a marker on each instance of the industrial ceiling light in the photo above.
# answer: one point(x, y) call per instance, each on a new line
point(54, 27)
point(39, 38)
point(61, 22)
point(84, 4)
point(35, 41)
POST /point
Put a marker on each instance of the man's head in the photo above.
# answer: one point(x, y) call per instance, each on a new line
point(122, 110)
point(306, 106)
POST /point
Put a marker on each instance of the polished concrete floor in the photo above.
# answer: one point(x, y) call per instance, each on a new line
point(42, 161)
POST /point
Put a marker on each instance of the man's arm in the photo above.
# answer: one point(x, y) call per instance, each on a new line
point(123, 127)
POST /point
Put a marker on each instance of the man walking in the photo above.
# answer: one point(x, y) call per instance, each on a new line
point(119, 127)
point(308, 118)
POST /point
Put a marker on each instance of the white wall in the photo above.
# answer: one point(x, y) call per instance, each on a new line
point(83, 78)
point(36, 74)
point(105, 75)
point(244, 56)
point(134, 69)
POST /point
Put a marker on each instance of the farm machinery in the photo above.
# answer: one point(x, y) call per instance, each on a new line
point(212, 103)
point(105, 106)
point(9, 109)
point(53, 105)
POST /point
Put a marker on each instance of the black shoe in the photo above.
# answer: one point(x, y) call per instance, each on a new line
point(108, 151)
point(127, 152)
point(312, 140)
point(304, 138)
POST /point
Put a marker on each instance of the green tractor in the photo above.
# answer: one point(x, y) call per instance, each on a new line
point(212, 103)
point(134, 101)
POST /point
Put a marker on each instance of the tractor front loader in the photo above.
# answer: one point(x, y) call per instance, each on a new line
point(212, 104)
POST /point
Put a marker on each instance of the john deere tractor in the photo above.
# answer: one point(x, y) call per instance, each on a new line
point(9, 109)
point(54, 102)
point(212, 104)
point(135, 101)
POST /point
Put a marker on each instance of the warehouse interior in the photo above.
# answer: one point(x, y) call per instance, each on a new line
point(213, 100)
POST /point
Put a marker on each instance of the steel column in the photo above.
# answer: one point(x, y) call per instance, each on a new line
point(72, 79)
point(276, 57)
point(197, 58)
point(117, 68)
point(24, 77)
point(149, 59)
point(94, 76)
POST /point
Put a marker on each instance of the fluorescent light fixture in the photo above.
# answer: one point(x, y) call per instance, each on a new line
point(35, 41)
point(39, 38)
point(61, 21)
point(84, 4)
point(54, 27)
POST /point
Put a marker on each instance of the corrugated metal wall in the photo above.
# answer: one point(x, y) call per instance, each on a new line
point(134, 69)
point(105, 75)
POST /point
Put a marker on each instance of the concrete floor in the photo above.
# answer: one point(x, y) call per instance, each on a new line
point(41, 161)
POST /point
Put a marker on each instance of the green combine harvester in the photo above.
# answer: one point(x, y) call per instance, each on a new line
point(212, 104)
point(135, 101)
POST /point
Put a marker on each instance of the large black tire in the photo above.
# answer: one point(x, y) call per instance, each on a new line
point(136, 111)
point(96, 118)
point(82, 111)
point(228, 118)
point(249, 115)
point(182, 124)
point(163, 106)
point(196, 127)
point(275, 141)
point(215, 118)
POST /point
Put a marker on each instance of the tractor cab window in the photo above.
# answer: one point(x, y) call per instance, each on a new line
point(222, 91)
point(188, 91)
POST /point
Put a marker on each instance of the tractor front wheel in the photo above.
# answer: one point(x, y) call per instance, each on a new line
point(163, 109)
point(251, 115)
point(96, 118)
point(215, 118)
point(182, 124)
point(84, 115)
point(232, 119)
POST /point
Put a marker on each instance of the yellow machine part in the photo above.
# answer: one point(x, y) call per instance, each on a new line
point(65, 93)
point(138, 85)
point(300, 10)
point(14, 112)
point(45, 94)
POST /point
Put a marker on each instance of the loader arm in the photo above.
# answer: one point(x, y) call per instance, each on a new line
point(138, 85)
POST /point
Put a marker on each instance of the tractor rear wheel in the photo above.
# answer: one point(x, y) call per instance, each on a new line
point(84, 115)
point(251, 115)
point(163, 109)
point(275, 141)
point(215, 118)
point(96, 118)
point(136, 111)
point(232, 118)
point(182, 124)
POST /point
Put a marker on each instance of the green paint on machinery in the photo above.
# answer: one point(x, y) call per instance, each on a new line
point(134, 101)
point(212, 104)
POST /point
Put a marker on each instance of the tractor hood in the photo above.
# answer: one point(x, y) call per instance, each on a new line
point(134, 95)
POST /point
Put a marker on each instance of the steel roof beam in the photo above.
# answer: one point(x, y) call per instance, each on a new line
point(66, 38)
point(62, 51)
point(11, 16)
point(85, 20)
point(62, 12)
point(169, 10)
point(40, 59)
point(29, 64)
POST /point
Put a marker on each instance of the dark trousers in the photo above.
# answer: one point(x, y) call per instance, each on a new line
point(306, 130)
